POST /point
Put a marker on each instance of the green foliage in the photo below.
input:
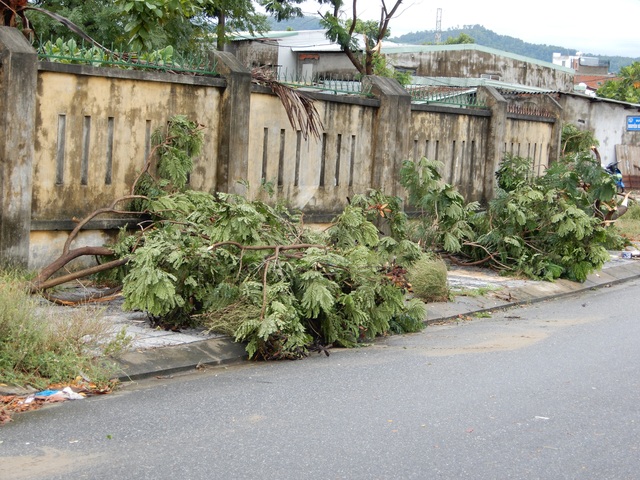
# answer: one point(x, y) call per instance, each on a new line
point(69, 52)
point(364, 54)
point(97, 18)
point(444, 214)
point(196, 23)
point(575, 140)
point(544, 227)
point(428, 278)
point(625, 87)
point(386, 213)
point(550, 226)
point(39, 348)
point(633, 213)
point(462, 38)
point(146, 19)
point(248, 268)
point(411, 321)
point(382, 69)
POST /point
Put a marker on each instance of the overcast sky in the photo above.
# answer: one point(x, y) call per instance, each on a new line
point(602, 28)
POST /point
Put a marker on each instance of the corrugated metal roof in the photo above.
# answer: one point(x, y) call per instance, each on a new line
point(261, 36)
point(477, 82)
point(304, 40)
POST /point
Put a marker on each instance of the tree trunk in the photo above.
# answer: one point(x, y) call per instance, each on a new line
point(220, 31)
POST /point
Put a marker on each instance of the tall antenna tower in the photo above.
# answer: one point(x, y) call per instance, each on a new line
point(438, 25)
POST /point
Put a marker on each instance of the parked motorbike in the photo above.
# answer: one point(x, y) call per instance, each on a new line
point(613, 170)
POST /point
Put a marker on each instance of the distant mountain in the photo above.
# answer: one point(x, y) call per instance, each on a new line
point(302, 23)
point(481, 35)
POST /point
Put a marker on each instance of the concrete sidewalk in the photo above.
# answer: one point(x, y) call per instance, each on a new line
point(158, 352)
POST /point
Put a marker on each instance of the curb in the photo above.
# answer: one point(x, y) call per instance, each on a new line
point(219, 351)
point(141, 364)
point(537, 292)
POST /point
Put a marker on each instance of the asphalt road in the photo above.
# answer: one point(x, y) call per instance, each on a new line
point(548, 391)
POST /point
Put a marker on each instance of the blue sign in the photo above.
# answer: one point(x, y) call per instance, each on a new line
point(633, 123)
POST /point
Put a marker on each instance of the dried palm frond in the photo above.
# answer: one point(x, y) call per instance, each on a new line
point(300, 109)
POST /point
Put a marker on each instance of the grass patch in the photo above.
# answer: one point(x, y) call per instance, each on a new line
point(428, 278)
point(473, 292)
point(629, 224)
point(39, 347)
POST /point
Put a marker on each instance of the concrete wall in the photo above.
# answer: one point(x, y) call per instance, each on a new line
point(94, 134)
point(532, 139)
point(474, 61)
point(457, 140)
point(315, 175)
point(606, 119)
point(18, 65)
point(253, 53)
point(80, 135)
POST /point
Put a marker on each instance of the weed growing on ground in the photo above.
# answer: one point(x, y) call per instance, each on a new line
point(428, 278)
point(39, 347)
point(629, 225)
point(473, 292)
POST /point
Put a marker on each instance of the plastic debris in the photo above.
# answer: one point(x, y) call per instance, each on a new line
point(70, 394)
point(47, 393)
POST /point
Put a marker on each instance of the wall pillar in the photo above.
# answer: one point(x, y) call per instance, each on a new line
point(495, 137)
point(392, 129)
point(18, 82)
point(233, 158)
point(550, 103)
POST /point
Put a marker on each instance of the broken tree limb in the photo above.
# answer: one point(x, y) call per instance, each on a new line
point(45, 284)
point(110, 209)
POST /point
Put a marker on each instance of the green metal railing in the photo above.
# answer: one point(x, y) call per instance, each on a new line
point(337, 85)
point(462, 98)
point(165, 60)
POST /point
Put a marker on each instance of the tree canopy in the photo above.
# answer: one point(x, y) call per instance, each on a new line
point(343, 31)
point(625, 87)
point(154, 24)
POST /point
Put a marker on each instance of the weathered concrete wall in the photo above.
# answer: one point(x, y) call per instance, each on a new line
point(94, 134)
point(529, 138)
point(607, 120)
point(253, 53)
point(458, 139)
point(18, 65)
point(475, 61)
point(315, 175)
point(91, 133)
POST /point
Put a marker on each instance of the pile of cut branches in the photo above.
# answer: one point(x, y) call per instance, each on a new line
point(249, 268)
point(543, 227)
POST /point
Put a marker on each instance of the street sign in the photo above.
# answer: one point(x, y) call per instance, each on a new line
point(633, 123)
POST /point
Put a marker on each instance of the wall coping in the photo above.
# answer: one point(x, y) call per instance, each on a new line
point(478, 112)
point(531, 118)
point(327, 97)
point(148, 76)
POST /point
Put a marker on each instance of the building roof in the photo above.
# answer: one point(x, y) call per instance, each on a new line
point(593, 81)
point(465, 82)
point(316, 41)
point(303, 40)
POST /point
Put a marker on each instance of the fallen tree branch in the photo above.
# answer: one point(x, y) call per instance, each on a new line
point(110, 209)
point(40, 285)
point(93, 297)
